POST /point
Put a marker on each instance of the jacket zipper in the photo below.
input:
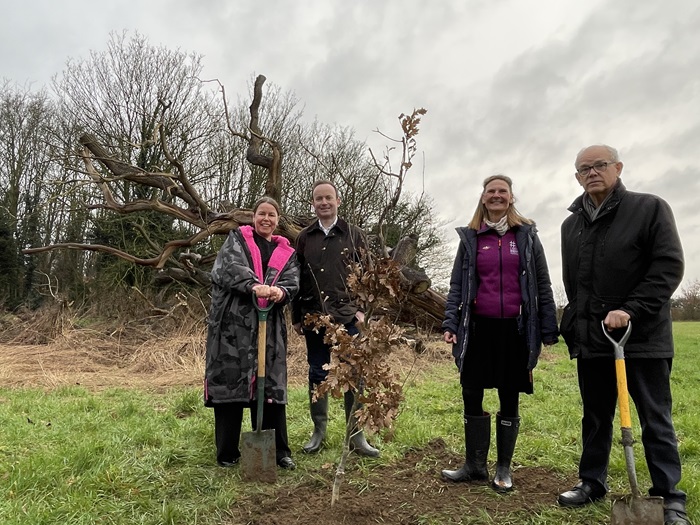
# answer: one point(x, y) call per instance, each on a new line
point(500, 272)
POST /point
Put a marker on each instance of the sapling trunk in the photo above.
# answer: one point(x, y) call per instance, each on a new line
point(340, 471)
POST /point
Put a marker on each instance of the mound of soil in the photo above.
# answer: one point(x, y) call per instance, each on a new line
point(408, 492)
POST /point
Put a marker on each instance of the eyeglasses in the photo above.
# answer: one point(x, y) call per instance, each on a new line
point(599, 167)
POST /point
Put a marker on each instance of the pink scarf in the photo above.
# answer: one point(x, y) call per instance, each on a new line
point(280, 256)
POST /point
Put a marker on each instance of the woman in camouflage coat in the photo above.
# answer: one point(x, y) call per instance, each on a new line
point(252, 262)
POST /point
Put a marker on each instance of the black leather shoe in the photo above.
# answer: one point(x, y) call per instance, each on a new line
point(287, 463)
point(582, 494)
point(229, 463)
point(675, 514)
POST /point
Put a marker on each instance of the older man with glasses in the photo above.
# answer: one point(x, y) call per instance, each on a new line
point(622, 260)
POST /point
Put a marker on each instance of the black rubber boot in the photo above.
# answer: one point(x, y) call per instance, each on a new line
point(506, 435)
point(319, 416)
point(477, 439)
point(358, 443)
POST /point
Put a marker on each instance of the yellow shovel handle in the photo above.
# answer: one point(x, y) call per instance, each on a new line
point(262, 341)
point(623, 400)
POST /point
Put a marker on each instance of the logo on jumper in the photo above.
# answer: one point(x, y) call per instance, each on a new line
point(513, 248)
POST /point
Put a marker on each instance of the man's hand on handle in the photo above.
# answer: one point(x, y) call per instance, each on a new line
point(616, 319)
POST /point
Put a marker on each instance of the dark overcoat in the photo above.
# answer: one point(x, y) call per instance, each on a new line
point(231, 348)
point(630, 258)
point(324, 261)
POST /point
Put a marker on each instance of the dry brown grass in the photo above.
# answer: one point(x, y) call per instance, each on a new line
point(54, 348)
point(97, 363)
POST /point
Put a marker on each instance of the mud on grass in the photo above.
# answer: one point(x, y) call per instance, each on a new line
point(408, 492)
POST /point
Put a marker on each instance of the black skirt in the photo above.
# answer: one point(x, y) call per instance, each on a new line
point(496, 356)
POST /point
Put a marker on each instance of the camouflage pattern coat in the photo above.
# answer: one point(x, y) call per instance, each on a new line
point(231, 348)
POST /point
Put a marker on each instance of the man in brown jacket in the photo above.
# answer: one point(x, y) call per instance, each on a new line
point(324, 250)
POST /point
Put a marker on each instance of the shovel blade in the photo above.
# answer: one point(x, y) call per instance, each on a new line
point(258, 456)
point(629, 510)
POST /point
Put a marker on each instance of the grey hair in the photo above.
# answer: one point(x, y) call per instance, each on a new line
point(614, 155)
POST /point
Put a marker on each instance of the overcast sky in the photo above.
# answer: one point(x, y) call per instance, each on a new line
point(511, 86)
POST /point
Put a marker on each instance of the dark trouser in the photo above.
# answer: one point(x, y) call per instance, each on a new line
point(318, 353)
point(474, 397)
point(648, 382)
point(228, 419)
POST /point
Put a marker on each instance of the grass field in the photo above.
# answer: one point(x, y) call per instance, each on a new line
point(122, 456)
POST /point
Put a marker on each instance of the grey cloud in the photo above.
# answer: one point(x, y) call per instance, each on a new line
point(499, 98)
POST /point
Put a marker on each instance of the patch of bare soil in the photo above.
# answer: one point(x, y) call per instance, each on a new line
point(407, 492)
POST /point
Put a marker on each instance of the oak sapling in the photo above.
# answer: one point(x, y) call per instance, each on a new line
point(360, 363)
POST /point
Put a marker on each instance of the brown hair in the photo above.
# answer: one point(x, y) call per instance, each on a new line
point(514, 216)
point(266, 200)
point(320, 183)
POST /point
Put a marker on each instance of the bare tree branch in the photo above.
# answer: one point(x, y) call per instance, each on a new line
point(273, 186)
point(227, 113)
point(409, 125)
point(162, 181)
point(220, 226)
point(136, 205)
point(181, 175)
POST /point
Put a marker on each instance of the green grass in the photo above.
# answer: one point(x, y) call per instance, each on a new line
point(118, 457)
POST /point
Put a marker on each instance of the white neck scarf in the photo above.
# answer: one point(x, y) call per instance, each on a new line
point(501, 226)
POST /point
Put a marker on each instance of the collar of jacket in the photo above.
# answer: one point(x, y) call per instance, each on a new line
point(340, 224)
point(618, 193)
point(486, 228)
point(468, 235)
